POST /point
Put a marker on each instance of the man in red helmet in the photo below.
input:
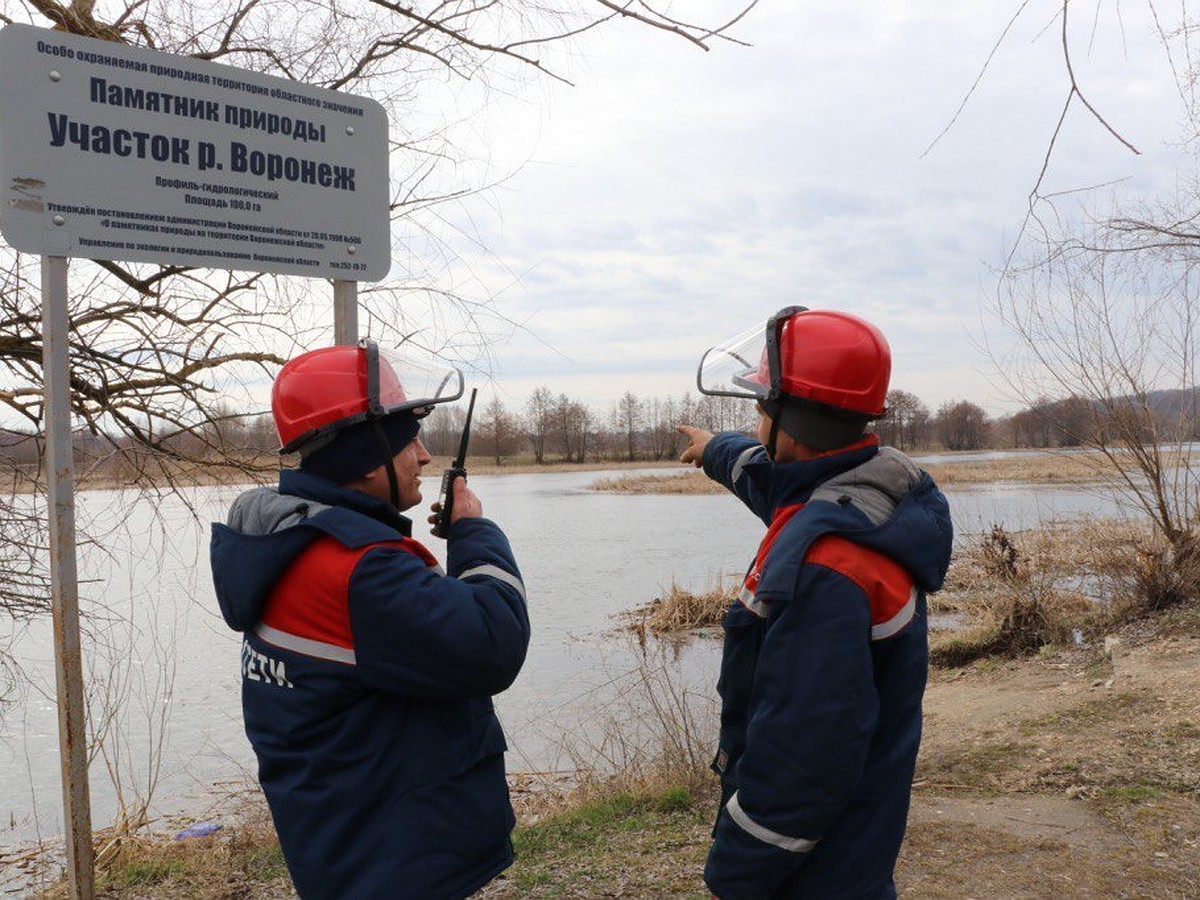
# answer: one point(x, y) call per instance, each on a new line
point(367, 671)
point(825, 654)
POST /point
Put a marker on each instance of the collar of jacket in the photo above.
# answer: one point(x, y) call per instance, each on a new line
point(794, 482)
point(313, 487)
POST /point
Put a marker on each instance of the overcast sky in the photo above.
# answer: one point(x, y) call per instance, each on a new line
point(673, 197)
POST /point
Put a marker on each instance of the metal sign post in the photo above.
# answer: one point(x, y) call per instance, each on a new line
point(345, 312)
point(68, 659)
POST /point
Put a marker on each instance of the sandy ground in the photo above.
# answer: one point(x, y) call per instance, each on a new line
point(1075, 774)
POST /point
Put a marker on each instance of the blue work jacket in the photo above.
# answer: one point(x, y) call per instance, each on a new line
point(367, 678)
point(823, 670)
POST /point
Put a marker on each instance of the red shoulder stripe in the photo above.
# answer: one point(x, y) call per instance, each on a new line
point(312, 599)
point(888, 585)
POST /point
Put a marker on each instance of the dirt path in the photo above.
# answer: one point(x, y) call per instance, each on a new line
point(1069, 775)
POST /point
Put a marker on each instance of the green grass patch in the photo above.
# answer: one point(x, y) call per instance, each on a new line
point(1131, 793)
point(1109, 708)
point(591, 823)
point(981, 767)
point(608, 843)
point(146, 872)
point(675, 799)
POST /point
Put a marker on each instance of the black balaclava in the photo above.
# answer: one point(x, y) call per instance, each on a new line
point(815, 426)
point(353, 452)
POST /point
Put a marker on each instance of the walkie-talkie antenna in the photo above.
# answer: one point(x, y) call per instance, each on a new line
point(457, 469)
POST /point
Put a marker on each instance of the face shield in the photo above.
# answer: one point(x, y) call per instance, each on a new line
point(746, 365)
point(401, 380)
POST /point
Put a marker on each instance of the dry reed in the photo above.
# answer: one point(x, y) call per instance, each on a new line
point(692, 481)
point(680, 611)
point(1029, 468)
point(655, 734)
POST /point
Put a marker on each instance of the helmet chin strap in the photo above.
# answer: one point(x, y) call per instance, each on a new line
point(389, 465)
point(771, 407)
point(774, 327)
point(774, 435)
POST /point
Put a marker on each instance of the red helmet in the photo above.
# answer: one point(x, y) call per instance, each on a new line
point(325, 390)
point(822, 356)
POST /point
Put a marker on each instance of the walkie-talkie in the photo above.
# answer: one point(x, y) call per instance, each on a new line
point(457, 468)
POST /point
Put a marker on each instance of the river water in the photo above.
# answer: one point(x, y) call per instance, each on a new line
point(586, 557)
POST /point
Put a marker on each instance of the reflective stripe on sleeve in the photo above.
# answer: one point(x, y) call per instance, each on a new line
point(497, 573)
point(750, 600)
point(740, 463)
point(766, 835)
point(897, 622)
point(307, 646)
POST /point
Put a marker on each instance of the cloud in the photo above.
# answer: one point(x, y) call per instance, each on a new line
point(674, 197)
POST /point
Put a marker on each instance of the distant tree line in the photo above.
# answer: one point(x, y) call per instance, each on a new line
point(553, 428)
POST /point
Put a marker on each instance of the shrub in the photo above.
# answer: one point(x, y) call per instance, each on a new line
point(1165, 576)
point(1014, 602)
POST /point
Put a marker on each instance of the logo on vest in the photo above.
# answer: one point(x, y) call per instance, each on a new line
point(260, 667)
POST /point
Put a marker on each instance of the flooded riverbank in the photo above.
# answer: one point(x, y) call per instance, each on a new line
point(585, 557)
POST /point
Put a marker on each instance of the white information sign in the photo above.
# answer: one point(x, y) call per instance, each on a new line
point(123, 153)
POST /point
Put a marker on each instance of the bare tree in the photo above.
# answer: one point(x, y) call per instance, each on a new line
point(907, 423)
point(1110, 325)
point(499, 431)
point(150, 366)
point(539, 410)
point(961, 425)
point(629, 410)
point(570, 423)
point(1031, 428)
point(661, 419)
point(1052, 423)
point(1102, 305)
point(723, 414)
point(441, 430)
